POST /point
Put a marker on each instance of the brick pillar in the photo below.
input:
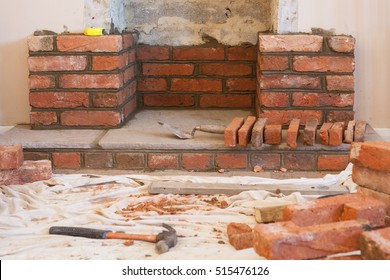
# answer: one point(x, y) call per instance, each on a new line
point(79, 81)
point(305, 77)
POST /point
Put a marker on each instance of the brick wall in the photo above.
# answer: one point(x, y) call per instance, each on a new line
point(197, 77)
point(81, 81)
point(305, 76)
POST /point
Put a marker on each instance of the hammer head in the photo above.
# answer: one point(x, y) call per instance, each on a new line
point(166, 239)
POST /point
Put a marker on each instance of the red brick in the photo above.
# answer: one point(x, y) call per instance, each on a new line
point(381, 196)
point(234, 161)
point(336, 134)
point(34, 156)
point(41, 81)
point(152, 53)
point(375, 245)
point(336, 208)
point(11, 157)
point(284, 117)
point(324, 133)
point(130, 160)
point(275, 100)
point(257, 138)
point(245, 53)
point(43, 43)
point(197, 162)
point(332, 162)
point(151, 84)
point(129, 74)
point(273, 63)
point(245, 132)
point(225, 69)
point(43, 118)
point(129, 107)
point(196, 85)
point(81, 43)
point(310, 132)
point(108, 63)
point(273, 134)
point(108, 99)
point(342, 44)
point(371, 179)
point(293, 133)
point(284, 81)
point(299, 161)
point(322, 99)
point(91, 81)
point(169, 100)
point(342, 83)
point(339, 116)
point(98, 160)
point(337, 64)
point(131, 58)
point(240, 235)
point(290, 43)
point(198, 53)
point(91, 118)
point(374, 155)
point(66, 160)
point(284, 240)
point(266, 161)
point(163, 161)
point(30, 171)
point(241, 84)
point(231, 132)
point(360, 130)
point(50, 99)
point(165, 69)
point(225, 101)
point(57, 63)
point(128, 41)
point(349, 132)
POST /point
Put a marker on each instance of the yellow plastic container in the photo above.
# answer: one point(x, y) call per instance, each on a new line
point(93, 31)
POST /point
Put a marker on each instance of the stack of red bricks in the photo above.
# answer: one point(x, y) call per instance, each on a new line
point(320, 228)
point(14, 170)
point(81, 81)
point(305, 76)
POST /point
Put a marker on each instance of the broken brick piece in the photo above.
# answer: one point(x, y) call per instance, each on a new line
point(258, 132)
point(11, 157)
point(292, 133)
point(245, 132)
point(29, 172)
point(349, 132)
point(240, 235)
point(309, 133)
point(273, 134)
point(324, 133)
point(372, 179)
point(231, 132)
point(336, 134)
point(384, 197)
point(374, 155)
point(375, 245)
point(285, 240)
point(360, 130)
point(336, 208)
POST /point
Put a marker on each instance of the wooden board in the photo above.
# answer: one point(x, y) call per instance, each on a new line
point(171, 187)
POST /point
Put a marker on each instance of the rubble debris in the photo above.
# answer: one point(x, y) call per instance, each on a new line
point(240, 235)
point(11, 157)
point(258, 169)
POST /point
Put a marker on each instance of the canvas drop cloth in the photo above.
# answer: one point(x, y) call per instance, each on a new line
point(122, 203)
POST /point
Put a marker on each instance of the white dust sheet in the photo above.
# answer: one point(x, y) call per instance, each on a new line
point(122, 203)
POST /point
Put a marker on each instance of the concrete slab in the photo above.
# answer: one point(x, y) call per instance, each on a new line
point(144, 132)
point(47, 139)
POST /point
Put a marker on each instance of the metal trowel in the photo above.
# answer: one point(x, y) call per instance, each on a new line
point(210, 128)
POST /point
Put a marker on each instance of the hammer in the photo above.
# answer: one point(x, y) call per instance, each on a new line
point(164, 240)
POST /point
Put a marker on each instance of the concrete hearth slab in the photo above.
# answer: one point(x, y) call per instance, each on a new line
point(51, 139)
point(144, 132)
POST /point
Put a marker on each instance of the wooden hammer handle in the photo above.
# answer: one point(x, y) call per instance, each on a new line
point(140, 237)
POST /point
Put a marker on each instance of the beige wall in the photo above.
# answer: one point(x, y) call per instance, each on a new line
point(369, 22)
point(18, 20)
